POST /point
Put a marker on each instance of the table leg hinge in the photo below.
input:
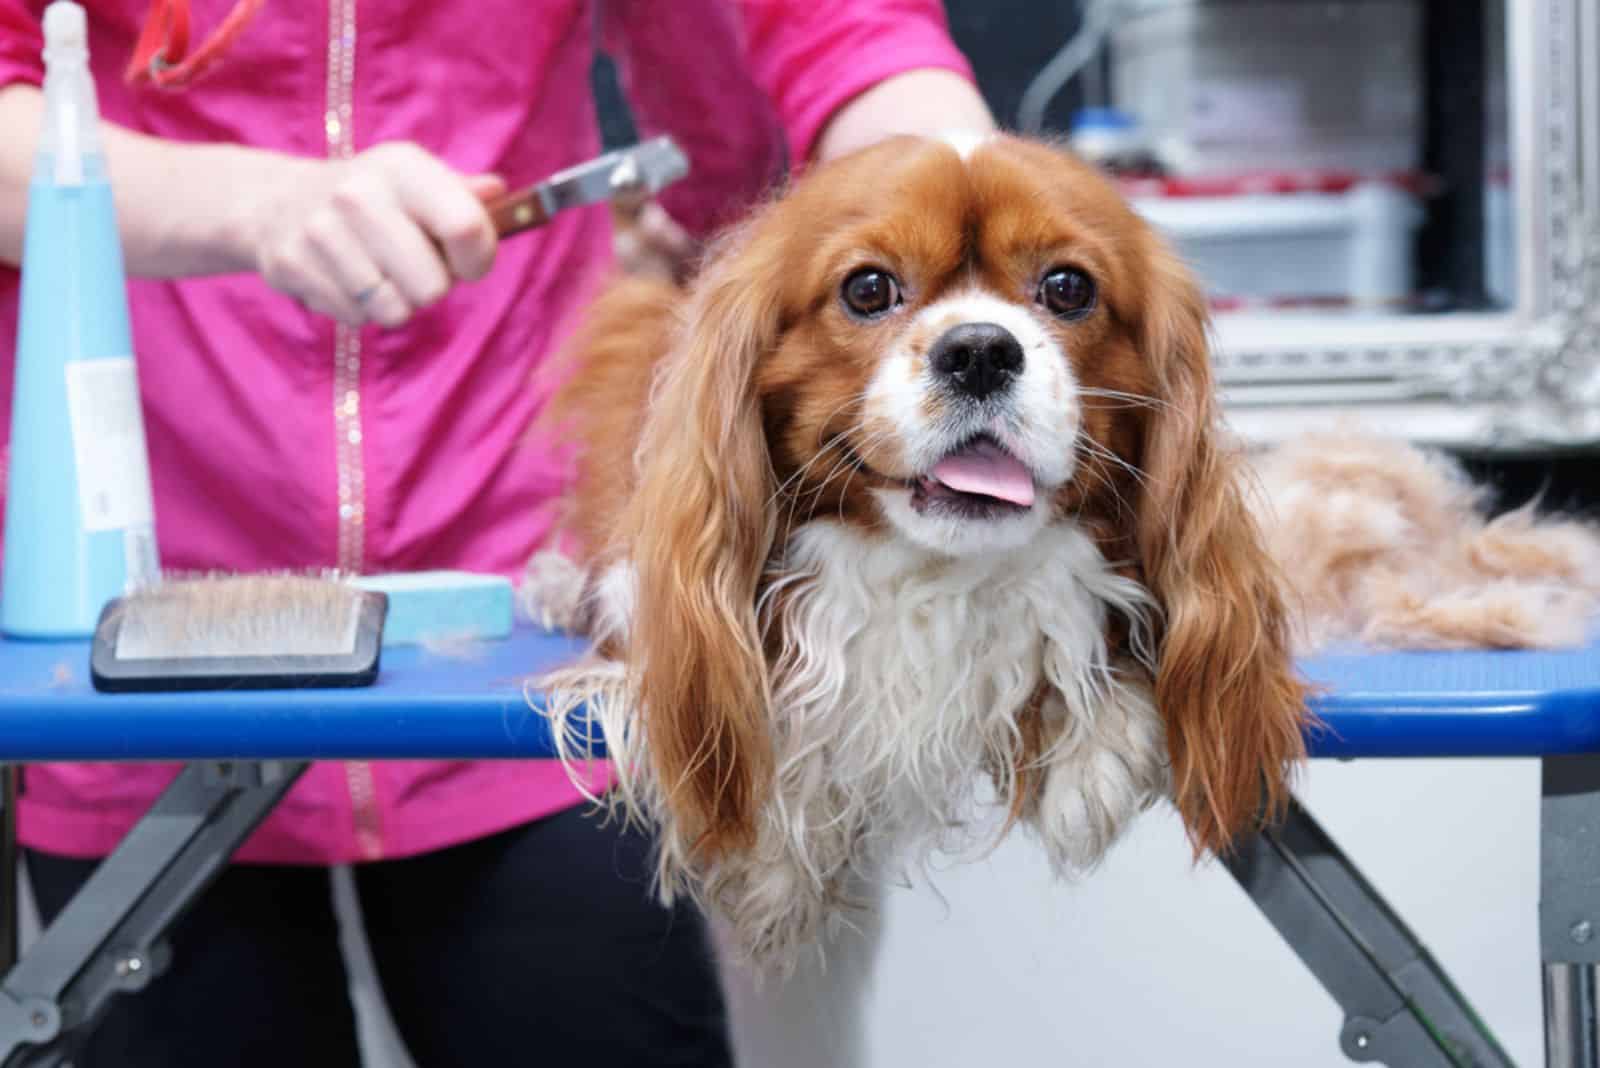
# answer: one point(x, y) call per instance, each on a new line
point(132, 969)
point(1407, 1038)
point(26, 1022)
point(1360, 1038)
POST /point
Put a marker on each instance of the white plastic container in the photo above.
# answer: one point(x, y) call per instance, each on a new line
point(1230, 86)
point(1346, 248)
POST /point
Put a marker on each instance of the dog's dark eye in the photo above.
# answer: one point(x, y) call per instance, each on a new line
point(1067, 292)
point(870, 292)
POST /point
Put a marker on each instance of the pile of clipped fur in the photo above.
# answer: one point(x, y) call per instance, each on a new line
point(1391, 546)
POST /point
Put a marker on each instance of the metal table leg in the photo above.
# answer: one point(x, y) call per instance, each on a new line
point(1400, 1008)
point(1569, 1016)
point(1569, 909)
point(110, 937)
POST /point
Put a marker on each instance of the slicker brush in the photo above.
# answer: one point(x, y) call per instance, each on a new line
point(218, 632)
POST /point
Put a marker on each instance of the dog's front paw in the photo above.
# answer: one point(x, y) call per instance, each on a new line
point(778, 909)
point(776, 912)
point(1098, 781)
point(553, 588)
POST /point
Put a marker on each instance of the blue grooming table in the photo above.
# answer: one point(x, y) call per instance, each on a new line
point(467, 703)
point(470, 703)
point(245, 749)
point(1457, 704)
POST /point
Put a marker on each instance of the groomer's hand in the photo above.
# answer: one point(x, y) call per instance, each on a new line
point(647, 243)
point(375, 237)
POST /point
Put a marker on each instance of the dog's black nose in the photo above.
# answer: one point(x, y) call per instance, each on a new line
point(978, 358)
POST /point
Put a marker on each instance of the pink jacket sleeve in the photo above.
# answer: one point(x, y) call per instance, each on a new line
point(814, 56)
point(745, 84)
point(20, 43)
point(682, 67)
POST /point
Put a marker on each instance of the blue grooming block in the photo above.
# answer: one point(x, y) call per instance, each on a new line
point(442, 606)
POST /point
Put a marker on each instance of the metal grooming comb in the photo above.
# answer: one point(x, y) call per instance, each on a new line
point(627, 176)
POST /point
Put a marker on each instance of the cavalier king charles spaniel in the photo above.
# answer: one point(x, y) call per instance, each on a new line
point(914, 502)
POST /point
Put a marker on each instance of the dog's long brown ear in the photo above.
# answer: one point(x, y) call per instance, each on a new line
point(700, 527)
point(1225, 683)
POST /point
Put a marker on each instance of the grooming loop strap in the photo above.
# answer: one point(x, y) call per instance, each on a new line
point(161, 56)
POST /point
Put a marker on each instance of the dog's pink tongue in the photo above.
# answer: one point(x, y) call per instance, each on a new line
point(986, 469)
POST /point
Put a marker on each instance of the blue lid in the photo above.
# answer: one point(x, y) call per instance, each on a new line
point(1101, 118)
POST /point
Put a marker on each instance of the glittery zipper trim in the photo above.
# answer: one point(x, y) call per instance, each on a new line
point(347, 340)
point(364, 805)
point(352, 480)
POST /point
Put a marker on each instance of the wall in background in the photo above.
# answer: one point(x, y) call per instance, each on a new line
point(1152, 962)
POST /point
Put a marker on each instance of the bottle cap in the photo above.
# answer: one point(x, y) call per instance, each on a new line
point(65, 25)
point(1102, 118)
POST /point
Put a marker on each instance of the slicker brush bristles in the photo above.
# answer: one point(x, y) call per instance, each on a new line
point(227, 631)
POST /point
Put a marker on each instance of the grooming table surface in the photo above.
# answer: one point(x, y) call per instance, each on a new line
point(1453, 704)
point(465, 703)
point(469, 703)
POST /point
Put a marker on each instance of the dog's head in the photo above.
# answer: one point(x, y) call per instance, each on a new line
point(955, 346)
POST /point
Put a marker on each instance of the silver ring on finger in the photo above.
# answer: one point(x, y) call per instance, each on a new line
point(368, 292)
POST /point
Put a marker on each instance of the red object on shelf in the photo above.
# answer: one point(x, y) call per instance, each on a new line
point(1273, 183)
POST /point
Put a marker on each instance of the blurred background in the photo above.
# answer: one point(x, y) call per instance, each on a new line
point(1324, 165)
point(1325, 155)
point(1302, 153)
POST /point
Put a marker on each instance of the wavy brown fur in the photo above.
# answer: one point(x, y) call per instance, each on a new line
point(697, 516)
point(1225, 681)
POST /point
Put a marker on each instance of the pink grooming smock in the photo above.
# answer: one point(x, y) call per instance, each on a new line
point(279, 440)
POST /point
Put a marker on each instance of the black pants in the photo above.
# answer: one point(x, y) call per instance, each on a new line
point(541, 945)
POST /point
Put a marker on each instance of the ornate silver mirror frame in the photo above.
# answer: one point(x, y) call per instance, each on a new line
point(1524, 379)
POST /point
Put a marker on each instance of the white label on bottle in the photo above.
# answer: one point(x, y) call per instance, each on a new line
point(141, 564)
point(108, 444)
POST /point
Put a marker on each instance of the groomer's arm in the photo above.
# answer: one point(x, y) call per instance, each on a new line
point(183, 209)
point(846, 73)
point(373, 237)
point(916, 102)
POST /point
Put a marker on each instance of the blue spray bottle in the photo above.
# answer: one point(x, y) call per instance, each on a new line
point(79, 524)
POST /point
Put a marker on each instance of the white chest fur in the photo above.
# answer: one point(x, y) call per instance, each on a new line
point(903, 673)
point(898, 685)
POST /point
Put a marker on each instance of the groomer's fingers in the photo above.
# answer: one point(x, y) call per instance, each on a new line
point(447, 208)
point(663, 235)
point(394, 240)
point(394, 227)
point(648, 243)
point(296, 269)
point(366, 290)
point(486, 187)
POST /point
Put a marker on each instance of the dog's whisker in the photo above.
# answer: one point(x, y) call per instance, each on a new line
point(1134, 400)
point(1099, 451)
